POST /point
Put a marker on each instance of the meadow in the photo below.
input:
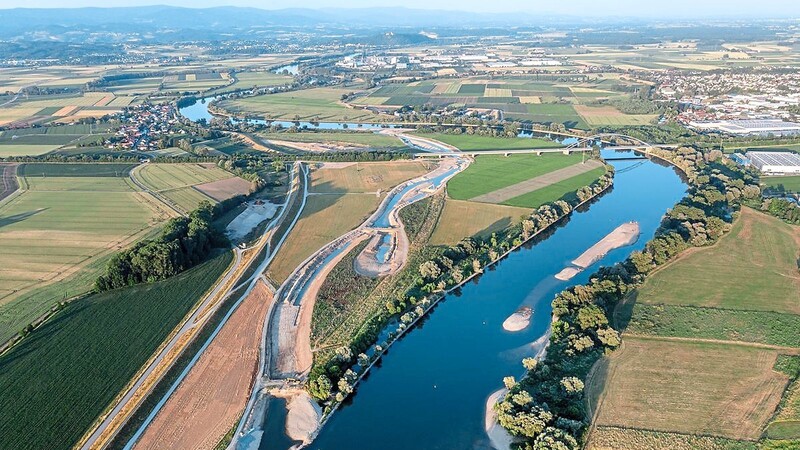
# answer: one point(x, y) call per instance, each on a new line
point(689, 387)
point(461, 219)
point(467, 142)
point(754, 267)
point(252, 79)
point(56, 234)
point(92, 349)
point(321, 104)
point(704, 345)
point(783, 184)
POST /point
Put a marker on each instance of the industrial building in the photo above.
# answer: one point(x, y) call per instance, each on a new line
point(750, 127)
point(775, 163)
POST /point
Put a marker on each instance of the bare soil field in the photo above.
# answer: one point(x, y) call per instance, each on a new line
point(225, 189)
point(365, 177)
point(213, 395)
point(8, 180)
point(714, 389)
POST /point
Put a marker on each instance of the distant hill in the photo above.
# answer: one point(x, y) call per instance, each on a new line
point(150, 22)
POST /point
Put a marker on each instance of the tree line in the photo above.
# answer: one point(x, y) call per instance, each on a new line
point(429, 274)
point(183, 243)
point(547, 407)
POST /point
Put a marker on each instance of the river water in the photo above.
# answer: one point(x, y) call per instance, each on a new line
point(430, 389)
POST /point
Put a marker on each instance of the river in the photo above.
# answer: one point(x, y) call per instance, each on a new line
point(429, 391)
point(199, 111)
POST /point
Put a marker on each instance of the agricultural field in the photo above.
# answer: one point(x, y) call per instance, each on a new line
point(701, 388)
point(194, 82)
point(757, 261)
point(57, 234)
point(41, 140)
point(466, 142)
point(782, 184)
point(324, 141)
point(492, 174)
point(62, 108)
point(600, 116)
point(322, 104)
point(52, 405)
point(617, 438)
point(252, 79)
point(539, 98)
point(462, 219)
point(714, 344)
point(185, 184)
point(366, 177)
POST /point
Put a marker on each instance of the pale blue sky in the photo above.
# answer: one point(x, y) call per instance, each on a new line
point(641, 8)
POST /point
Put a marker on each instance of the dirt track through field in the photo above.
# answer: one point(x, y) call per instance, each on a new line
point(542, 181)
point(8, 173)
point(211, 398)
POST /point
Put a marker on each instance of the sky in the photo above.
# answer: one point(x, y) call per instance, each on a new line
point(627, 8)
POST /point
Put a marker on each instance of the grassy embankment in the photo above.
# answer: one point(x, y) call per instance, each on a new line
point(59, 380)
point(705, 347)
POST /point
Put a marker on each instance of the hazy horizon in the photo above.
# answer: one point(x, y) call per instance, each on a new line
point(577, 8)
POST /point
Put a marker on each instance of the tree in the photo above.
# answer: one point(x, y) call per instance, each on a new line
point(320, 388)
point(572, 385)
point(529, 363)
point(509, 382)
point(429, 270)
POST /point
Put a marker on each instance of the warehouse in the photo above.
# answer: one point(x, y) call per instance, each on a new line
point(763, 127)
point(775, 163)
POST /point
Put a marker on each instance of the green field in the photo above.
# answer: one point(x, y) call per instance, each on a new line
point(562, 190)
point(754, 267)
point(763, 327)
point(783, 184)
point(249, 80)
point(56, 235)
point(367, 139)
point(176, 182)
point(10, 150)
point(466, 142)
point(56, 382)
point(321, 104)
point(461, 219)
point(491, 172)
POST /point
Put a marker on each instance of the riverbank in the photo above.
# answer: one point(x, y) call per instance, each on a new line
point(438, 297)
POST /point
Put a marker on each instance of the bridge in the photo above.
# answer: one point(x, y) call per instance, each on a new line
point(534, 151)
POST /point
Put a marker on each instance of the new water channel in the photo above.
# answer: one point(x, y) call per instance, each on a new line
point(430, 389)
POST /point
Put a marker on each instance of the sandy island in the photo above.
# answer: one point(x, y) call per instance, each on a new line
point(622, 236)
point(501, 439)
point(303, 417)
point(519, 320)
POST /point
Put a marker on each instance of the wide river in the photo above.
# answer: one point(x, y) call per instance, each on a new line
point(430, 389)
